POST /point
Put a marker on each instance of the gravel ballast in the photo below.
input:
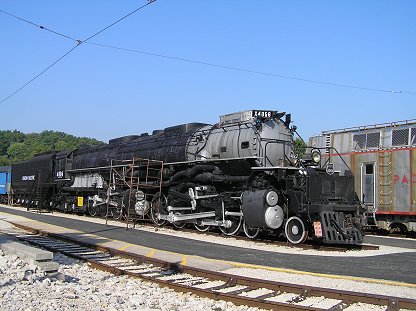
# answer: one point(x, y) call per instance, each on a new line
point(26, 287)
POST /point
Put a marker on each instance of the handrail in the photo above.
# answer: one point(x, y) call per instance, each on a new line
point(368, 127)
point(336, 152)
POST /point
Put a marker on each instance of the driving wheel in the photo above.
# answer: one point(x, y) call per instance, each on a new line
point(295, 230)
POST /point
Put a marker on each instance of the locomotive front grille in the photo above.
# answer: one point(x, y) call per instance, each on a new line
point(336, 231)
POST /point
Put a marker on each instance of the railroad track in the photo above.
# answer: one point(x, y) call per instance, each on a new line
point(215, 285)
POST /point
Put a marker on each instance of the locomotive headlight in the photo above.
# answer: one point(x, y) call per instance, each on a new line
point(316, 156)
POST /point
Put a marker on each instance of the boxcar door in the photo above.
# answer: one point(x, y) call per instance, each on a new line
point(368, 185)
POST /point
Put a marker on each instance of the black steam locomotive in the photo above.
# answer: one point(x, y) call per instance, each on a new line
point(239, 173)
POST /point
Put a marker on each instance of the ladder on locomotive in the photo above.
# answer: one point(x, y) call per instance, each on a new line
point(37, 197)
point(148, 179)
point(134, 175)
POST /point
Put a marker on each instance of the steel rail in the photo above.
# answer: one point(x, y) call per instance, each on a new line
point(167, 268)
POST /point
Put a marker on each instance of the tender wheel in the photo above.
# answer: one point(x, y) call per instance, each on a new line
point(201, 228)
point(235, 225)
point(295, 230)
point(250, 232)
point(92, 210)
point(158, 207)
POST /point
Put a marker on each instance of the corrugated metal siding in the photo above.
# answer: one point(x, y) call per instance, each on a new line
point(402, 180)
point(395, 159)
point(395, 180)
point(413, 173)
point(3, 183)
point(317, 141)
point(385, 182)
point(359, 160)
point(9, 182)
point(342, 142)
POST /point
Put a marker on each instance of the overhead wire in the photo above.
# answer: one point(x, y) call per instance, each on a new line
point(39, 74)
point(119, 20)
point(249, 70)
point(38, 26)
point(191, 60)
point(78, 43)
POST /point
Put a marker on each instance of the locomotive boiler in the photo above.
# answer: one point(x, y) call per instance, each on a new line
point(240, 173)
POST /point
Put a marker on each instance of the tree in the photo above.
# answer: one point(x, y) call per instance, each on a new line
point(9, 137)
point(300, 147)
point(16, 146)
point(18, 152)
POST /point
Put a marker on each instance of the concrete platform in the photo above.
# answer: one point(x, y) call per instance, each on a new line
point(393, 269)
point(39, 257)
point(10, 246)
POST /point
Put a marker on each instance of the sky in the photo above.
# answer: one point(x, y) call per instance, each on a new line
point(103, 93)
